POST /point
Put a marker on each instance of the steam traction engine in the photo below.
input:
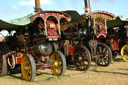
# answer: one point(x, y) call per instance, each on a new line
point(96, 31)
point(84, 35)
point(35, 45)
point(118, 37)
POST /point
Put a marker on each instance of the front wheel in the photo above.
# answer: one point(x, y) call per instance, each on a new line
point(105, 55)
point(59, 66)
point(82, 58)
point(28, 67)
point(124, 52)
point(3, 65)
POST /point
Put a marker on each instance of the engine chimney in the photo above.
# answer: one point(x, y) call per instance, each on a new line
point(87, 6)
point(37, 6)
point(88, 17)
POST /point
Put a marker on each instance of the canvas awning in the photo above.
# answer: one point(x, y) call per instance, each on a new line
point(116, 23)
point(21, 21)
point(7, 26)
point(15, 23)
point(75, 16)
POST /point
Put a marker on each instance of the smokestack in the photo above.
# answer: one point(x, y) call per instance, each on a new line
point(87, 6)
point(88, 17)
point(37, 6)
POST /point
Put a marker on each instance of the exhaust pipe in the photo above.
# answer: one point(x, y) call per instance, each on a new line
point(87, 6)
point(88, 17)
point(37, 6)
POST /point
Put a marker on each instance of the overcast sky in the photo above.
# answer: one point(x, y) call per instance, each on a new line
point(10, 9)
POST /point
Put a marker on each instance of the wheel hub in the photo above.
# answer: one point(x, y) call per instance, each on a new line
point(80, 57)
point(25, 68)
point(56, 63)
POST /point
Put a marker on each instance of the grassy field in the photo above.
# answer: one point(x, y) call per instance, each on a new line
point(115, 74)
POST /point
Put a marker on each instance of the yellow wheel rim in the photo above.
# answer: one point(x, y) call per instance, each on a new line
point(26, 68)
point(124, 52)
point(57, 68)
point(0, 64)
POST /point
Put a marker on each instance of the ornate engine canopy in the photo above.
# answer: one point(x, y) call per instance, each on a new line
point(100, 16)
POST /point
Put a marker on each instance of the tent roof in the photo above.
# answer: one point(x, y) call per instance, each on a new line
point(7, 26)
point(75, 16)
point(15, 23)
point(21, 21)
point(116, 23)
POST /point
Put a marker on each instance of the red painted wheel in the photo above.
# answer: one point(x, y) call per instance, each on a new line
point(105, 55)
point(82, 58)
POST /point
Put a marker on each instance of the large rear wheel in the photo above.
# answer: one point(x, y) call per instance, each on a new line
point(28, 67)
point(105, 55)
point(3, 65)
point(124, 52)
point(59, 63)
point(82, 58)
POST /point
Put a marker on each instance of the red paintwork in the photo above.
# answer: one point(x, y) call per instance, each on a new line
point(52, 31)
point(94, 44)
point(103, 13)
point(53, 36)
point(18, 60)
point(44, 66)
point(40, 26)
point(51, 27)
point(70, 49)
point(115, 45)
point(101, 33)
point(45, 14)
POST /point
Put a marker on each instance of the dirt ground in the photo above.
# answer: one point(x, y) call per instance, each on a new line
point(115, 74)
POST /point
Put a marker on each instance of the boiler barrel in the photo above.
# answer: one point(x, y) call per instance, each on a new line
point(44, 49)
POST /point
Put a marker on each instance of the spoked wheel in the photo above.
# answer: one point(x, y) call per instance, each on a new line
point(28, 67)
point(124, 52)
point(59, 63)
point(3, 66)
point(82, 58)
point(105, 55)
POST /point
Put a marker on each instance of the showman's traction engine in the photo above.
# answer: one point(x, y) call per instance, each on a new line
point(35, 45)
